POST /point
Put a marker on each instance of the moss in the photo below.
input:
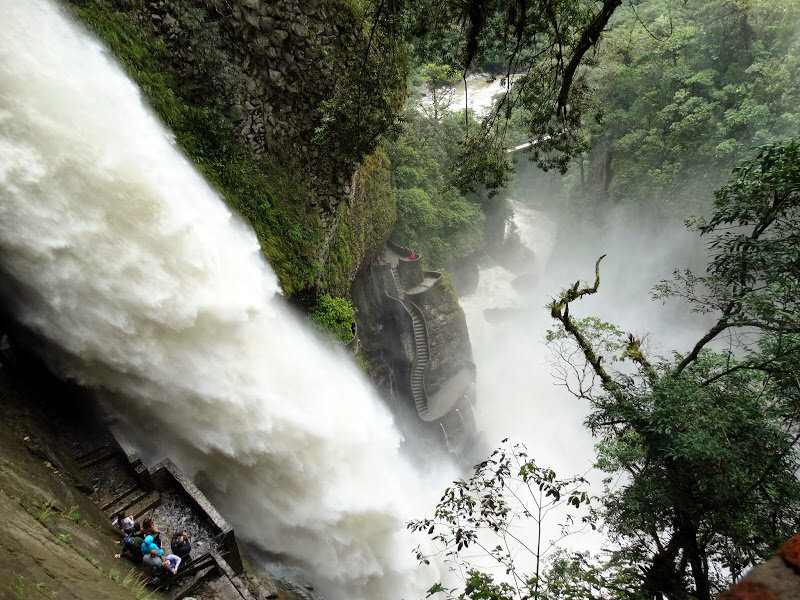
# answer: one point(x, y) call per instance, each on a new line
point(268, 192)
point(363, 224)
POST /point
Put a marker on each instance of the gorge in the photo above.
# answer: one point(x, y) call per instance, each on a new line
point(237, 234)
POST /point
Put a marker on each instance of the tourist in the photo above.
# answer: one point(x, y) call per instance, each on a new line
point(170, 562)
point(131, 546)
point(152, 563)
point(149, 529)
point(148, 545)
point(181, 546)
point(126, 523)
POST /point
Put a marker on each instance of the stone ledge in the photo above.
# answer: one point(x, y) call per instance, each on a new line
point(166, 476)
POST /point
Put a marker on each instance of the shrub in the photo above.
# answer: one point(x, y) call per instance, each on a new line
point(335, 315)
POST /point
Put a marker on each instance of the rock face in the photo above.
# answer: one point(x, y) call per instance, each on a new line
point(306, 86)
point(274, 63)
point(776, 579)
point(416, 346)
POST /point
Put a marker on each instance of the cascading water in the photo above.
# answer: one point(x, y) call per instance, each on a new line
point(115, 251)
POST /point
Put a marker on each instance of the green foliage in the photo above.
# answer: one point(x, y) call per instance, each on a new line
point(335, 315)
point(439, 80)
point(45, 511)
point(271, 192)
point(682, 90)
point(483, 516)
point(136, 583)
point(268, 192)
point(543, 42)
point(18, 591)
point(73, 515)
point(366, 99)
point(362, 225)
point(433, 214)
point(706, 441)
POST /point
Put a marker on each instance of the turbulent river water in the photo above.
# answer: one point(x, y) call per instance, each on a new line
point(144, 286)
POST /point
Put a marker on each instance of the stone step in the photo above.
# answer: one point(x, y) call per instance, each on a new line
point(113, 501)
point(126, 501)
point(96, 456)
point(149, 502)
point(182, 584)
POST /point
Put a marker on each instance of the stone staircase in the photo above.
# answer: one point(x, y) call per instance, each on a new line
point(115, 484)
point(116, 488)
point(420, 346)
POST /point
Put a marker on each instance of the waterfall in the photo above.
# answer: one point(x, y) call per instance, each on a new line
point(146, 287)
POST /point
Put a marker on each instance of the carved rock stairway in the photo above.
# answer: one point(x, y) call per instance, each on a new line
point(116, 487)
point(420, 347)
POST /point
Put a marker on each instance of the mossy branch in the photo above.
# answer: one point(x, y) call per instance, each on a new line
point(559, 310)
point(633, 350)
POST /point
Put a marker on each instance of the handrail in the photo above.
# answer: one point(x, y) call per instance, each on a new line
point(426, 370)
point(416, 354)
point(402, 252)
point(397, 248)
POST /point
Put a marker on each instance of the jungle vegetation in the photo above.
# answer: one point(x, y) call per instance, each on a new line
point(700, 447)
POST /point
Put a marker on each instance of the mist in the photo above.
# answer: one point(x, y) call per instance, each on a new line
point(518, 395)
point(144, 287)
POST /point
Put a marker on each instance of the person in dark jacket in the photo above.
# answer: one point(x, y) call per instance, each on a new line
point(181, 546)
point(131, 545)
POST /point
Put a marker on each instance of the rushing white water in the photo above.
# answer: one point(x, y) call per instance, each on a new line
point(115, 251)
point(519, 397)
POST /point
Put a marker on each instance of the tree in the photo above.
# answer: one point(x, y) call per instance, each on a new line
point(433, 213)
point(545, 42)
point(682, 90)
point(490, 512)
point(440, 82)
point(707, 439)
point(701, 448)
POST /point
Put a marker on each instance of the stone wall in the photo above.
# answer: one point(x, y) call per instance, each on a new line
point(448, 335)
point(273, 63)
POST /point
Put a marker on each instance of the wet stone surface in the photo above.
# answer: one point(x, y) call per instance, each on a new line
point(174, 515)
point(110, 479)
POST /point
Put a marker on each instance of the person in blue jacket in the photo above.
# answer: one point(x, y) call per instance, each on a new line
point(148, 545)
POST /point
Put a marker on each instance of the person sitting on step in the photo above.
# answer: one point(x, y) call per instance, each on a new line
point(131, 546)
point(170, 562)
point(148, 545)
point(126, 523)
point(149, 529)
